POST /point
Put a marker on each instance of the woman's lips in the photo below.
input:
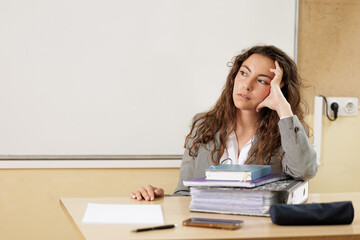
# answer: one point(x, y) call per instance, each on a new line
point(243, 96)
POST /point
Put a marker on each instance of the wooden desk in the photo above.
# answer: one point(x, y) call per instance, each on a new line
point(175, 210)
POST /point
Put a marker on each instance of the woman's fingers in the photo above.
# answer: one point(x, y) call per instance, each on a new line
point(275, 95)
point(132, 195)
point(147, 193)
point(138, 196)
point(278, 73)
point(150, 193)
point(260, 106)
point(159, 192)
point(144, 193)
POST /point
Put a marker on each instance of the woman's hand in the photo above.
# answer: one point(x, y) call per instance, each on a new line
point(147, 193)
point(276, 100)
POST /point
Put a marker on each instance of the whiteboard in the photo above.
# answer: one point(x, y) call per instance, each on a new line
point(121, 77)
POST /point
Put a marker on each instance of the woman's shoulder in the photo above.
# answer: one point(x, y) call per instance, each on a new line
point(196, 132)
point(196, 121)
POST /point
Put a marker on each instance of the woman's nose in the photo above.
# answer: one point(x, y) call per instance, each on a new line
point(248, 84)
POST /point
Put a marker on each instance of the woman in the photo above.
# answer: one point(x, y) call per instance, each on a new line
point(257, 120)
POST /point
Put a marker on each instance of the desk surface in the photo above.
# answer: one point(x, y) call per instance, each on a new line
point(176, 209)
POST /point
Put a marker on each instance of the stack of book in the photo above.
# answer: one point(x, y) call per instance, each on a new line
point(252, 197)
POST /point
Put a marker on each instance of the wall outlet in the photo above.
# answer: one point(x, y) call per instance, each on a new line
point(348, 106)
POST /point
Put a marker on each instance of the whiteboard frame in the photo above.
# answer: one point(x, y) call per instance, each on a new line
point(91, 164)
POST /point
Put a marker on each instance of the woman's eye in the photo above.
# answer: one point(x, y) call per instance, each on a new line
point(242, 73)
point(263, 82)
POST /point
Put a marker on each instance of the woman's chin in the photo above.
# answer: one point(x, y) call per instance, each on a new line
point(245, 107)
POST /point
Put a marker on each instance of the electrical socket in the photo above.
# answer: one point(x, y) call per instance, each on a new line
point(348, 106)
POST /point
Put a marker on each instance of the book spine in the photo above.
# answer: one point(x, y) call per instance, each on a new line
point(260, 173)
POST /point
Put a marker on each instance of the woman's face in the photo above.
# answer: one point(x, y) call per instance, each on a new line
point(252, 82)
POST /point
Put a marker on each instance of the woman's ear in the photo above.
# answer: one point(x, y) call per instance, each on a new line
point(282, 84)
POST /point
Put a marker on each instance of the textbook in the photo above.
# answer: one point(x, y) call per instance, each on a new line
point(237, 172)
point(248, 201)
point(234, 183)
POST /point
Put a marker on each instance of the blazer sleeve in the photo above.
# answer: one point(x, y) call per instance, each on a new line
point(194, 166)
point(187, 170)
point(299, 159)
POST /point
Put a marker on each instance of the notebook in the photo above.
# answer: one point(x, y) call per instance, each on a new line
point(237, 172)
point(234, 183)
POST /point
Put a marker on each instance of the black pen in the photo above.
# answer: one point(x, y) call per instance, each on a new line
point(154, 228)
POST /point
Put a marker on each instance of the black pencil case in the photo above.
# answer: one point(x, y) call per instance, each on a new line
point(313, 213)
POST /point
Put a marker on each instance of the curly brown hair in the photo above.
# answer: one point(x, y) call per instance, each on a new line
point(221, 118)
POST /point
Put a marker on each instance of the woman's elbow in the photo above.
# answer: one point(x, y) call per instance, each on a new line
point(309, 173)
point(305, 171)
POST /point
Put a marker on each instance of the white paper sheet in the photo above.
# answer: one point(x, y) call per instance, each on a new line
point(123, 214)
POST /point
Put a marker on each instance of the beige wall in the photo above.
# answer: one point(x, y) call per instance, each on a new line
point(29, 199)
point(328, 50)
point(340, 157)
point(328, 60)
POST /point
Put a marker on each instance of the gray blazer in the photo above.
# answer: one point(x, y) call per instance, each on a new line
point(299, 157)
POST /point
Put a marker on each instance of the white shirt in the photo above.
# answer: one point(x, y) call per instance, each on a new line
point(230, 155)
